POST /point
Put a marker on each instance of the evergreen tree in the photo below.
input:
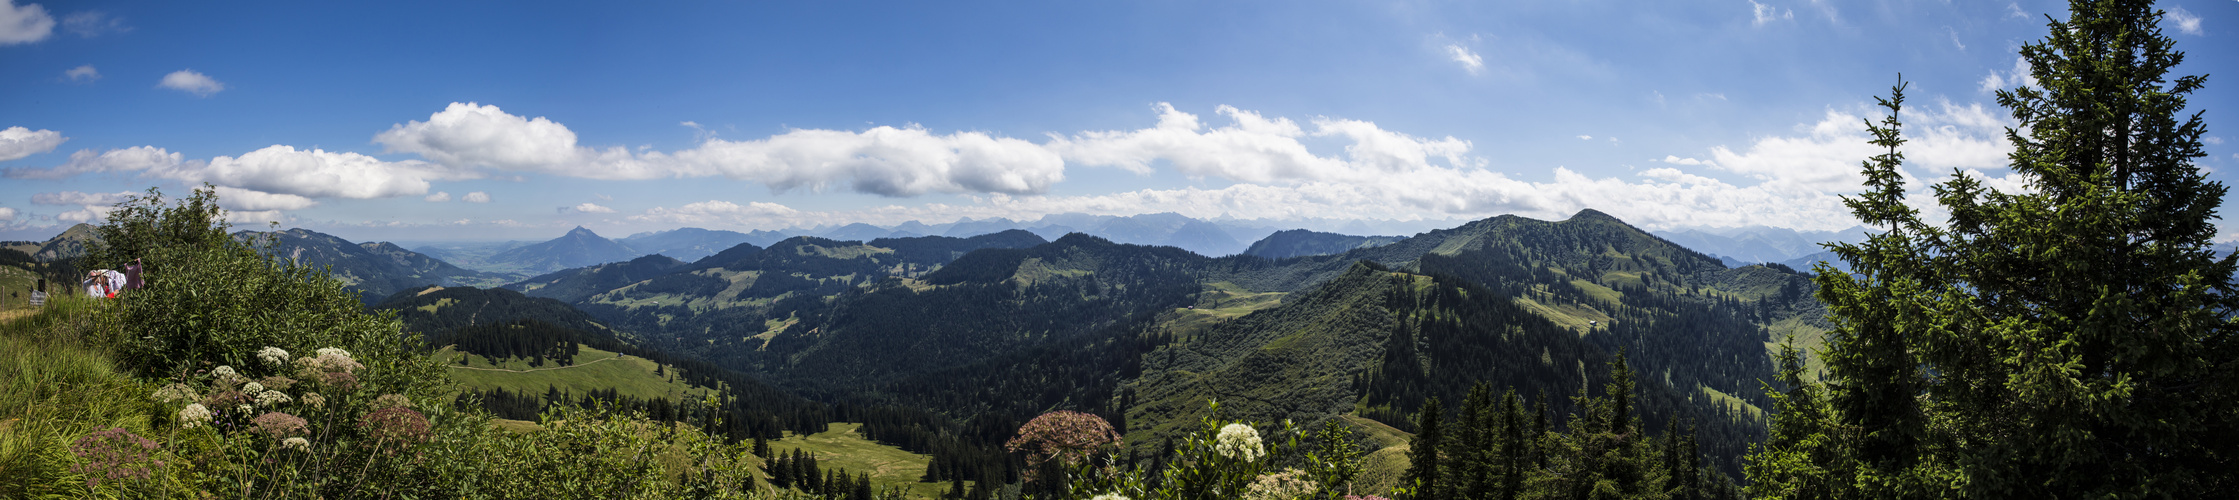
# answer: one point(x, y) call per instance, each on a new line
point(2075, 340)
point(1468, 458)
point(1423, 468)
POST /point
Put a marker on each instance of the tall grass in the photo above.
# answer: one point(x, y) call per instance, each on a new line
point(54, 387)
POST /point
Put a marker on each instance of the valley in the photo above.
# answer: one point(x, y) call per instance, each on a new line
point(886, 354)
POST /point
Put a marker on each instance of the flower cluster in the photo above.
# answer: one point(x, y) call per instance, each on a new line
point(314, 400)
point(1111, 496)
point(296, 443)
point(1239, 441)
point(391, 401)
point(273, 356)
point(1287, 485)
point(277, 425)
point(175, 392)
point(395, 426)
point(1068, 437)
point(195, 415)
point(113, 454)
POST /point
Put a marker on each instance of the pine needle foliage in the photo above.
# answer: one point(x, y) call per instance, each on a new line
point(2075, 339)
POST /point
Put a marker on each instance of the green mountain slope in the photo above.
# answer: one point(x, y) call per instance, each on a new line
point(1301, 243)
point(375, 270)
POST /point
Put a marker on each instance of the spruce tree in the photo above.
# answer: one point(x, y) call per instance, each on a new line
point(1423, 468)
point(2071, 340)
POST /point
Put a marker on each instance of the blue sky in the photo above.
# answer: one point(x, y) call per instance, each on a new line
point(487, 120)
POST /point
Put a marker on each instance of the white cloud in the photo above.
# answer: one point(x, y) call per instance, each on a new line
point(237, 199)
point(187, 80)
point(473, 135)
point(89, 213)
point(1827, 158)
point(1676, 160)
point(1257, 149)
point(2013, 11)
point(2018, 77)
point(2186, 21)
point(476, 197)
point(886, 161)
point(439, 197)
point(24, 24)
point(82, 74)
point(140, 158)
point(2212, 140)
point(1955, 38)
point(80, 198)
point(255, 217)
point(312, 173)
point(7, 214)
point(1469, 60)
point(1584, 137)
point(586, 208)
point(1761, 13)
point(93, 23)
point(19, 142)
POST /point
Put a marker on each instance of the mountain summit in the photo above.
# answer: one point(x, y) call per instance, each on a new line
point(579, 247)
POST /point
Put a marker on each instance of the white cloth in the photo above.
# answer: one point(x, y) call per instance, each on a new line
point(117, 280)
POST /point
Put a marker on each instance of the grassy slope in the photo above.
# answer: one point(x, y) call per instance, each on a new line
point(840, 446)
point(54, 388)
point(593, 369)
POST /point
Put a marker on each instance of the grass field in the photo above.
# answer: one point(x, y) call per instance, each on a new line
point(1218, 302)
point(840, 446)
point(593, 369)
point(1381, 469)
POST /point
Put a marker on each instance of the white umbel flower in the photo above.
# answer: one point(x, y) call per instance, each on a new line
point(296, 443)
point(252, 388)
point(1111, 496)
point(174, 392)
point(1239, 441)
point(194, 416)
point(273, 356)
point(334, 351)
point(273, 398)
point(224, 372)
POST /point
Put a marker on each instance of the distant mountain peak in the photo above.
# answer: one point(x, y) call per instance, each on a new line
point(1591, 214)
point(579, 231)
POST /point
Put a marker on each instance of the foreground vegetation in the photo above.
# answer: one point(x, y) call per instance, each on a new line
point(2076, 340)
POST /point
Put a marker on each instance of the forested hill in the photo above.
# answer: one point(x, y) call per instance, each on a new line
point(375, 270)
point(1301, 243)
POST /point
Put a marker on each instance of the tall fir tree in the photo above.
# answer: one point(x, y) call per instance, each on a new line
point(1423, 469)
point(2072, 340)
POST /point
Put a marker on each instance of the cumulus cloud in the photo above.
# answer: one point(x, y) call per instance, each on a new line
point(1258, 149)
point(189, 81)
point(312, 173)
point(439, 197)
point(883, 160)
point(24, 24)
point(82, 74)
point(237, 199)
point(1389, 175)
point(2187, 22)
point(93, 23)
point(1827, 157)
point(7, 214)
point(586, 208)
point(79, 198)
point(1469, 60)
point(476, 197)
point(85, 161)
point(1761, 13)
point(2019, 76)
point(19, 142)
point(89, 213)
